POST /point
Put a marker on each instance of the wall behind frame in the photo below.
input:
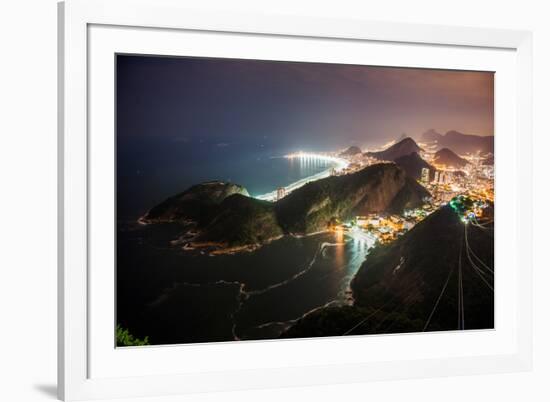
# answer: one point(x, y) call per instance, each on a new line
point(28, 163)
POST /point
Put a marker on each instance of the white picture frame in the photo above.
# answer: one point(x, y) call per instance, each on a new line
point(76, 347)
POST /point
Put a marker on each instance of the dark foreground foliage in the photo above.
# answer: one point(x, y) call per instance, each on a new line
point(125, 338)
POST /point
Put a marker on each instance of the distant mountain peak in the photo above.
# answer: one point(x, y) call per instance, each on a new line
point(402, 148)
point(459, 142)
point(353, 150)
point(448, 158)
point(406, 140)
point(430, 135)
point(402, 137)
point(457, 134)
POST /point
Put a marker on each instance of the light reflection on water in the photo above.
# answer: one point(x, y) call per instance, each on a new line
point(339, 249)
point(310, 167)
point(326, 283)
point(357, 247)
point(281, 282)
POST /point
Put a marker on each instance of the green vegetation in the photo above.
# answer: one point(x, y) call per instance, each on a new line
point(225, 216)
point(242, 220)
point(125, 338)
point(460, 204)
point(197, 203)
point(377, 188)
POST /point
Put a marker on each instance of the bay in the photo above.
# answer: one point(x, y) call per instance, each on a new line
point(175, 296)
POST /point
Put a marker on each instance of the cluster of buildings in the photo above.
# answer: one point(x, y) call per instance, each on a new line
point(476, 179)
point(440, 177)
point(385, 228)
point(469, 209)
point(281, 193)
point(467, 190)
point(355, 163)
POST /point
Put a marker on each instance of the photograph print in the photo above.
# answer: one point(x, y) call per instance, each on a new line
point(270, 200)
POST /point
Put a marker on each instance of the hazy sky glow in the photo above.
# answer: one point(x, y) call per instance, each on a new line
point(181, 121)
point(302, 105)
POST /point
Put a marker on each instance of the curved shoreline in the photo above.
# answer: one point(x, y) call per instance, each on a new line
point(340, 164)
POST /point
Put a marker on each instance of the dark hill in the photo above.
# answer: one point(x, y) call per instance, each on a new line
point(222, 216)
point(413, 165)
point(241, 220)
point(195, 203)
point(448, 158)
point(398, 286)
point(377, 188)
point(412, 272)
point(353, 150)
point(404, 147)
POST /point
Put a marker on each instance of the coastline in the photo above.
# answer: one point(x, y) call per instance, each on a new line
point(340, 163)
point(216, 248)
point(224, 249)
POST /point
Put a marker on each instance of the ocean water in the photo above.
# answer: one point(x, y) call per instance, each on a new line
point(175, 296)
point(145, 180)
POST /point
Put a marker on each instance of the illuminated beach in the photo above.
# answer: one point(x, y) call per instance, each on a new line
point(306, 157)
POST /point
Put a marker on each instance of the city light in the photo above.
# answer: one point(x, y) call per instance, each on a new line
point(467, 190)
point(341, 165)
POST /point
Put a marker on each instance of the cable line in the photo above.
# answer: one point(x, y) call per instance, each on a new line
point(470, 251)
point(460, 290)
point(438, 299)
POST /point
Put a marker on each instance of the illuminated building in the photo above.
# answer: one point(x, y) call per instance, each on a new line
point(425, 176)
point(374, 221)
point(436, 177)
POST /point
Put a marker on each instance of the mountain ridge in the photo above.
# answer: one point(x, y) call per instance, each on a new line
point(413, 283)
point(231, 220)
point(448, 158)
point(459, 142)
point(351, 151)
point(413, 165)
point(402, 148)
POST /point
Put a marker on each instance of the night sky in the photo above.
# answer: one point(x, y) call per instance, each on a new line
point(305, 105)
